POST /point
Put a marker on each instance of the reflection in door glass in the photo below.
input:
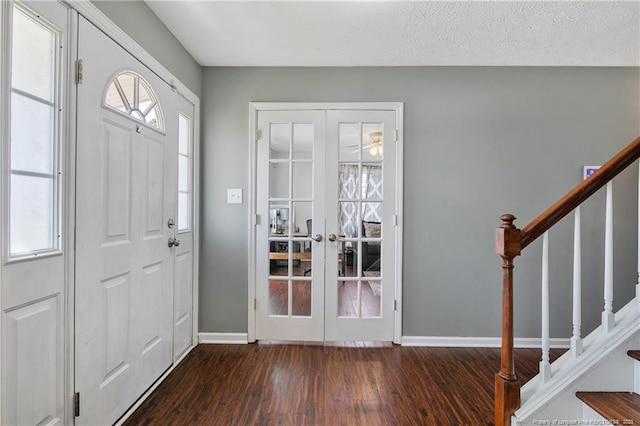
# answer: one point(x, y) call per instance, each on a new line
point(349, 141)
point(278, 297)
point(280, 141)
point(301, 298)
point(371, 182)
point(371, 290)
point(302, 141)
point(348, 299)
point(372, 142)
point(301, 180)
point(278, 179)
point(279, 258)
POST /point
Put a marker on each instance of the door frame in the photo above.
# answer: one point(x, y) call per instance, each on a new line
point(254, 109)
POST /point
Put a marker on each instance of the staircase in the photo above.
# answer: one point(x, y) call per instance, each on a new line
point(598, 380)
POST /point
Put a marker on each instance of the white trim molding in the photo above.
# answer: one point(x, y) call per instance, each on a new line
point(223, 338)
point(480, 342)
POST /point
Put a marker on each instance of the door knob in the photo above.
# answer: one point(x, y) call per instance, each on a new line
point(332, 237)
point(318, 238)
point(173, 242)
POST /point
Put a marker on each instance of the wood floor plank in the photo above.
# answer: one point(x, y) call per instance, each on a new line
point(332, 384)
point(618, 407)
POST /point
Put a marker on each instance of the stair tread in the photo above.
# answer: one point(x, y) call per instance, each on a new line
point(620, 406)
point(634, 354)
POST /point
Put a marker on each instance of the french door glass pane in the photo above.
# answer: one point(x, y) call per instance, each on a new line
point(370, 303)
point(349, 187)
point(32, 135)
point(279, 180)
point(33, 57)
point(349, 141)
point(301, 298)
point(372, 143)
point(32, 209)
point(279, 141)
point(348, 299)
point(302, 141)
point(302, 181)
point(278, 297)
point(372, 182)
point(301, 257)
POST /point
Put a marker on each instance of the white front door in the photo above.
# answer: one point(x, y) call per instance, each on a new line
point(126, 193)
point(34, 252)
point(326, 225)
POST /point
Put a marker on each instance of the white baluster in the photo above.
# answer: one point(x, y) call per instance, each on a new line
point(608, 318)
point(545, 367)
point(576, 339)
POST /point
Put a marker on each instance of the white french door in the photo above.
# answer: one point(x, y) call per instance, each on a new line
point(127, 157)
point(326, 225)
point(361, 213)
point(290, 204)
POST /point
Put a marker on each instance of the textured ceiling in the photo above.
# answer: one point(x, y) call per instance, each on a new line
point(405, 33)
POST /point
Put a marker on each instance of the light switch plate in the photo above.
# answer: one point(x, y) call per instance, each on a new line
point(234, 196)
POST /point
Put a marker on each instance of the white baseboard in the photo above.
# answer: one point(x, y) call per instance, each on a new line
point(223, 338)
point(480, 342)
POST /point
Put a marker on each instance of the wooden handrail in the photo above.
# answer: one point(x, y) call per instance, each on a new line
point(580, 193)
point(510, 241)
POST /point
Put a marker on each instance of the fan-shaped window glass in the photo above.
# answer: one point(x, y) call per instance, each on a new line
point(129, 94)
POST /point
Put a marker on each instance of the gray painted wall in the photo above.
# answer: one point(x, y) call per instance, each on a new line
point(136, 19)
point(479, 142)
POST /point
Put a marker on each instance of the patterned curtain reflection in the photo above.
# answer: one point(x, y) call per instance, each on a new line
point(351, 187)
point(372, 175)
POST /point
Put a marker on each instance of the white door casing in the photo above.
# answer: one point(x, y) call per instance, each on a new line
point(33, 283)
point(126, 193)
point(383, 324)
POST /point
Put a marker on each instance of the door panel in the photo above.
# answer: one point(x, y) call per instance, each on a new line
point(126, 194)
point(31, 387)
point(33, 259)
point(360, 286)
point(290, 194)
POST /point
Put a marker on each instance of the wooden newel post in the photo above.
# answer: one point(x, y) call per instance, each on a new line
point(507, 385)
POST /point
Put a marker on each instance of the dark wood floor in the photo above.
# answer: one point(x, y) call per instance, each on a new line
point(342, 384)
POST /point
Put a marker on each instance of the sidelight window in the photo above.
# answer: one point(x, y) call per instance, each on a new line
point(35, 135)
point(184, 172)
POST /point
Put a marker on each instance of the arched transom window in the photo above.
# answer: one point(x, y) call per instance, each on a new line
point(131, 95)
